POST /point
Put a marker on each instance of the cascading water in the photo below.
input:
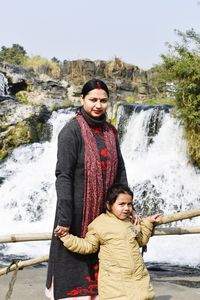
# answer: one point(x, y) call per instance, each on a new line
point(163, 180)
point(3, 85)
point(154, 151)
point(27, 191)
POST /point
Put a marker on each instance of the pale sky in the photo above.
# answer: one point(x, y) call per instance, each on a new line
point(133, 30)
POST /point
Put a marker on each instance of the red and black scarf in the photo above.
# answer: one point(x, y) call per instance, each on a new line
point(94, 187)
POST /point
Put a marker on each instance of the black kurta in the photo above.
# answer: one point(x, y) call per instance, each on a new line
point(74, 274)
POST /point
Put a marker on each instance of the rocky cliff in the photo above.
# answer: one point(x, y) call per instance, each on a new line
point(27, 98)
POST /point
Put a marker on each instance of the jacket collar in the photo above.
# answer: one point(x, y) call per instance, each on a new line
point(110, 214)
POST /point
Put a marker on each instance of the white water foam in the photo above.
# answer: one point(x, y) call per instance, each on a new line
point(163, 166)
point(3, 85)
point(28, 196)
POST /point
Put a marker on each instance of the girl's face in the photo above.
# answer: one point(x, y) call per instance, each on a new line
point(122, 207)
point(95, 103)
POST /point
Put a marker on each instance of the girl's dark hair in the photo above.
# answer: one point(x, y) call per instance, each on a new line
point(114, 192)
point(92, 85)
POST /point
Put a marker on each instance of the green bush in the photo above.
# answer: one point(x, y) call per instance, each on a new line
point(13, 55)
point(181, 71)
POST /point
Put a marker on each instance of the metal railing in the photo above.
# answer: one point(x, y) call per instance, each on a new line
point(14, 238)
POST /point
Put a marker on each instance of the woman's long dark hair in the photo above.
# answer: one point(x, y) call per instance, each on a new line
point(92, 85)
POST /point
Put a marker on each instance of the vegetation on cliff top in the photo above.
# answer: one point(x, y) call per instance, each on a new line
point(14, 55)
point(181, 71)
point(17, 55)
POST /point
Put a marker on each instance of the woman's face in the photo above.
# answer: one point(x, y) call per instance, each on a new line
point(95, 103)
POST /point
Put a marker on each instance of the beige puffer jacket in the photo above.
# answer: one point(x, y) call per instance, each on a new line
point(122, 273)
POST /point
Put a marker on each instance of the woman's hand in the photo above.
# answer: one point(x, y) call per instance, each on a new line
point(155, 218)
point(61, 231)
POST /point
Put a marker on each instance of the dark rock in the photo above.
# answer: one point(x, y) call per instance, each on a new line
point(27, 97)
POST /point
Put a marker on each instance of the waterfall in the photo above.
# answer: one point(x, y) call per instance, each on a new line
point(27, 192)
point(158, 170)
point(162, 178)
point(3, 85)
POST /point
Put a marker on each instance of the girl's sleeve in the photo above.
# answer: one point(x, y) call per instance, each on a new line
point(145, 232)
point(87, 245)
point(66, 163)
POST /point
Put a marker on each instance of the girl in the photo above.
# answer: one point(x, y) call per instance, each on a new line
point(122, 273)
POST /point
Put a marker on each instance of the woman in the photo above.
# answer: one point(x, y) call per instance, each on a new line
point(89, 162)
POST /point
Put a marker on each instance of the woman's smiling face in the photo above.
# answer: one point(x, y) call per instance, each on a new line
point(95, 103)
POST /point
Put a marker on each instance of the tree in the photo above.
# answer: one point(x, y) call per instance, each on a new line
point(55, 60)
point(181, 68)
point(14, 55)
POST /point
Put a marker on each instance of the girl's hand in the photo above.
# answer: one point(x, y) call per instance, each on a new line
point(135, 218)
point(155, 218)
point(61, 231)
